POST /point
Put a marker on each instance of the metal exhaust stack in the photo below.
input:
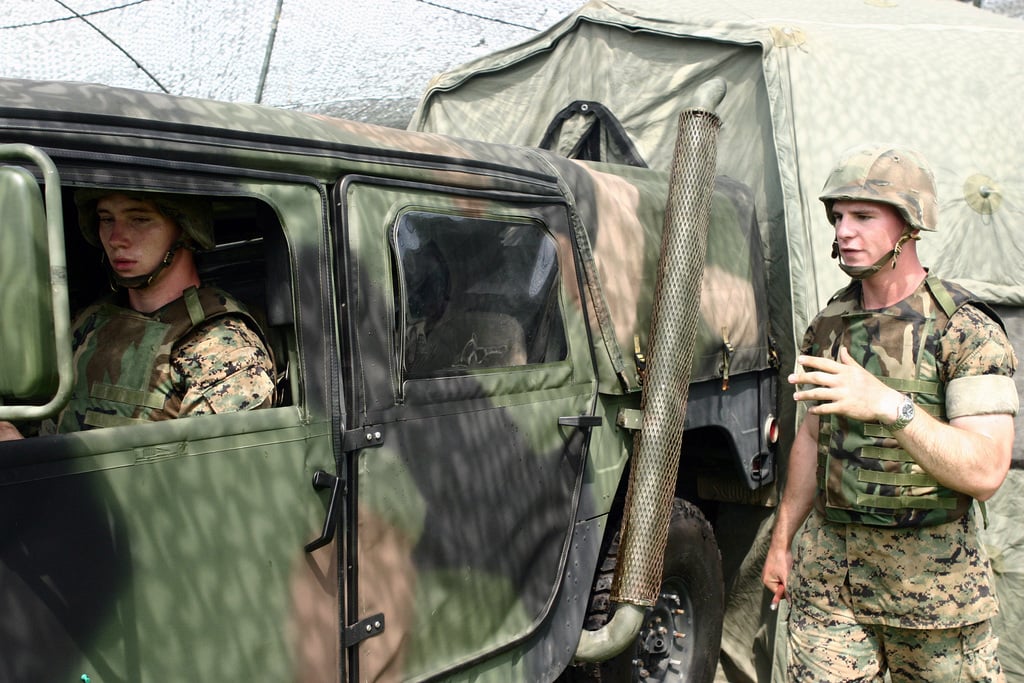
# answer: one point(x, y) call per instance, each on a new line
point(674, 321)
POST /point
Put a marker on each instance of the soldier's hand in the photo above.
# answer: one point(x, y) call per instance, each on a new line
point(775, 574)
point(844, 388)
point(9, 432)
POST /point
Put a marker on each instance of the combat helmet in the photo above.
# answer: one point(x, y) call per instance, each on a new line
point(194, 215)
point(888, 174)
point(896, 176)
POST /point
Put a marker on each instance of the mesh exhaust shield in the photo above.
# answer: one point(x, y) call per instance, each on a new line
point(674, 322)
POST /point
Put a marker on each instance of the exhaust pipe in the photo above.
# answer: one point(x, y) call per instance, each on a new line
point(674, 320)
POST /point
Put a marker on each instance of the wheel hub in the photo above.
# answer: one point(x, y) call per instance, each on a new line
point(664, 650)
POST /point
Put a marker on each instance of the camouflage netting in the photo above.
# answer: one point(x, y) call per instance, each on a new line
point(365, 60)
point(806, 81)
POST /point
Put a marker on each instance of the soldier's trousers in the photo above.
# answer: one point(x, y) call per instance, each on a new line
point(842, 650)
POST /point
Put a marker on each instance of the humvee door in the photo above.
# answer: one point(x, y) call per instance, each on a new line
point(471, 367)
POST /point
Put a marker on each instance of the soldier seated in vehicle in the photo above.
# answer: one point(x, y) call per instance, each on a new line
point(162, 345)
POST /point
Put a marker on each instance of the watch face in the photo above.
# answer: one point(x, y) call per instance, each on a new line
point(907, 410)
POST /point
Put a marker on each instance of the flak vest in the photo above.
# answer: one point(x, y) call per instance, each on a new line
point(863, 475)
point(123, 358)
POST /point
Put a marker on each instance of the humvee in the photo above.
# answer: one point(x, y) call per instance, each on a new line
point(462, 334)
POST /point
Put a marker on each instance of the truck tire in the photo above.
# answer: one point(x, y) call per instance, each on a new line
point(681, 635)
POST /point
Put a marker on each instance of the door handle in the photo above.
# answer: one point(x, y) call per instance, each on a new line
point(581, 421)
point(325, 480)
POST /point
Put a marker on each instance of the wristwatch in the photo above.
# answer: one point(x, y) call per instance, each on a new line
point(904, 414)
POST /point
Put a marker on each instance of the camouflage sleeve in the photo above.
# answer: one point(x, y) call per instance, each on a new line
point(807, 346)
point(807, 343)
point(223, 367)
point(977, 364)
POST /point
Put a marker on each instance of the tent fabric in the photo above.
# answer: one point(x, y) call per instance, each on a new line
point(806, 80)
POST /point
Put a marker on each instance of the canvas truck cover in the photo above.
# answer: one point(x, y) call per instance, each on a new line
point(806, 81)
point(621, 246)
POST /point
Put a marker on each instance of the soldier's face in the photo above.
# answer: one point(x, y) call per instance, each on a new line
point(134, 234)
point(865, 231)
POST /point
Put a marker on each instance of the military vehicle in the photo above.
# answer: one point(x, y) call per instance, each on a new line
point(464, 348)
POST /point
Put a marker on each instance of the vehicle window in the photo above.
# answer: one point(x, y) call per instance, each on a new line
point(475, 293)
point(248, 260)
point(223, 347)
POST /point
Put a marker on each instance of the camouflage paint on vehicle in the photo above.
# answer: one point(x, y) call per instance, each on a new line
point(471, 498)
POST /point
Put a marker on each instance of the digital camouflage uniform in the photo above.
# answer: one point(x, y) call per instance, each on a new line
point(199, 354)
point(868, 556)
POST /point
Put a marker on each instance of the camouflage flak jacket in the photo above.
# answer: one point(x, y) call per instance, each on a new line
point(132, 367)
point(863, 476)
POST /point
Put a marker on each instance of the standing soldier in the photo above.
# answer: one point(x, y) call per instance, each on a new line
point(911, 401)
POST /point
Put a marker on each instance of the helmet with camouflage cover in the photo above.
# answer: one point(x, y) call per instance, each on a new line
point(888, 174)
point(193, 215)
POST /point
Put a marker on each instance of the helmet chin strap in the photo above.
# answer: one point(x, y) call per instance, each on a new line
point(142, 281)
point(861, 272)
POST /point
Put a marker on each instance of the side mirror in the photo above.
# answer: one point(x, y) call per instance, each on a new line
point(36, 371)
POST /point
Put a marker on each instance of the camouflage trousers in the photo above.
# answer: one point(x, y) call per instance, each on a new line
point(839, 649)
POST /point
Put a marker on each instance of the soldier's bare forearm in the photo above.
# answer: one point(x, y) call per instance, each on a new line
point(797, 500)
point(970, 454)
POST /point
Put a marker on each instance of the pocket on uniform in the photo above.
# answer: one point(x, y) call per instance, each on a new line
point(979, 645)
